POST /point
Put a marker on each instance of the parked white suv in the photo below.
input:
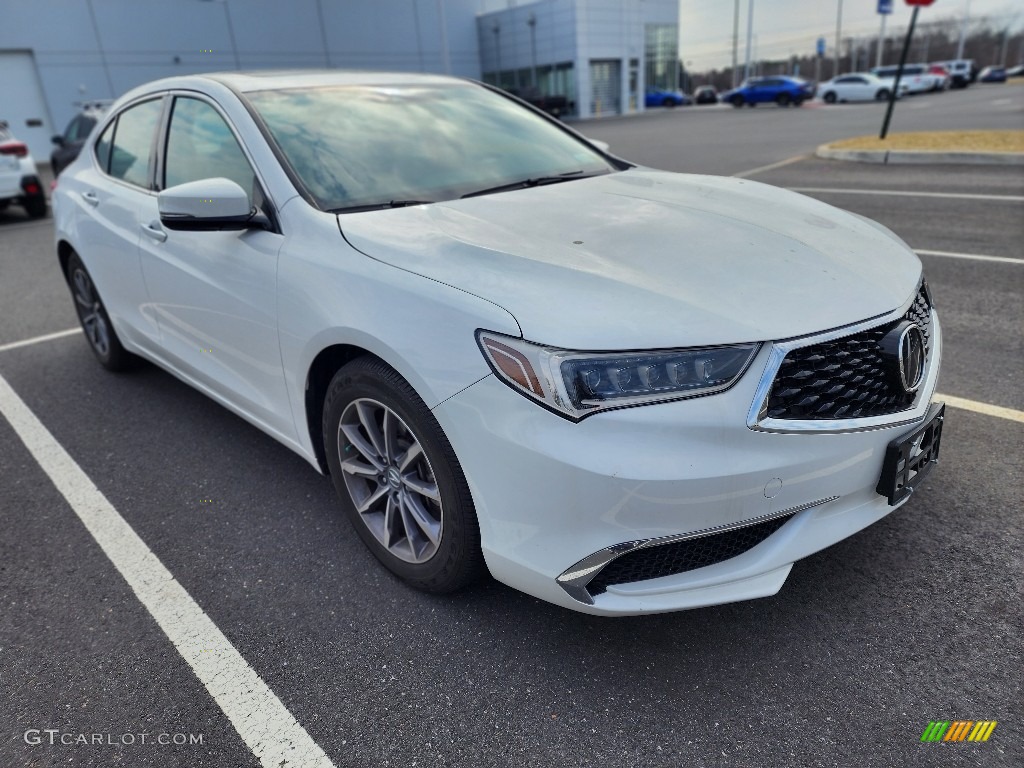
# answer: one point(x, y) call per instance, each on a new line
point(19, 181)
point(961, 72)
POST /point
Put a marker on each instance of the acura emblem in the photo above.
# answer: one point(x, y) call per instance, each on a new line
point(904, 346)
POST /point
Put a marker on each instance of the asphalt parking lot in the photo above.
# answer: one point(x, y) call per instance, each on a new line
point(915, 619)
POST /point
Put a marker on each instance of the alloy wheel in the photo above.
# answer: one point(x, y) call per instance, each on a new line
point(90, 312)
point(390, 481)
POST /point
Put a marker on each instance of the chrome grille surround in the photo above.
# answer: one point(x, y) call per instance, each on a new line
point(759, 420)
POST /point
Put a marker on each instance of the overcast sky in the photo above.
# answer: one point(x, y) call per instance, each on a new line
point(786, 27)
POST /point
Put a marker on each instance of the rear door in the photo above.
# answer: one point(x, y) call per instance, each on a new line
point(113, 192)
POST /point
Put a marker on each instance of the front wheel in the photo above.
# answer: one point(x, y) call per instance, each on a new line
point(783, 99)
point(99, 331)
point(668, 103)
point(830, 98)
point(398, 479)
point(882, 95)
point(736, 101)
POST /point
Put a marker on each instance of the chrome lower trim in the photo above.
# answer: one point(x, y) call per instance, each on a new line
point(758, 421)
point(575, 579)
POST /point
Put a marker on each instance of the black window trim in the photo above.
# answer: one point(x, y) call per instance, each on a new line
point(268, 207)
point(113, 120)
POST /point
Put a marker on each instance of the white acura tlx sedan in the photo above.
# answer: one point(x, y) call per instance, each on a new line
point(614, 388)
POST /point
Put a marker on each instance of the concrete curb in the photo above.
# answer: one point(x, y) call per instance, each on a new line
point(919, 157)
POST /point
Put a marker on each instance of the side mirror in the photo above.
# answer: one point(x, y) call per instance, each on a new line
point(207, 204)
point(58, 140)
point(601, 145)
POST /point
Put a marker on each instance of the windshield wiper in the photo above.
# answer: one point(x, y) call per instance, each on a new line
point(534, 182)
point(380, 206)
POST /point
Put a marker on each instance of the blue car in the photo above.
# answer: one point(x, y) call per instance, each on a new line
point(781, 90)
point(660, 98)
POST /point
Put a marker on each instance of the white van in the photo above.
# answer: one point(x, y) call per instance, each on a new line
point(961, 72)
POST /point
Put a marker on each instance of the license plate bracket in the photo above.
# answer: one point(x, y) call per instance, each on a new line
point(910, 457)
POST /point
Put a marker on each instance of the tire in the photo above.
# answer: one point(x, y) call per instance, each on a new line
point(830, 98)
point(417, 514)
point(882, 95)
point(783, 99)
point(668, 103)
point(35, 206)
point(736, 101)
point(798, 101)
point(99, 331)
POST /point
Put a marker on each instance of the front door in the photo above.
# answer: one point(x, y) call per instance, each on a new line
point(215, 293)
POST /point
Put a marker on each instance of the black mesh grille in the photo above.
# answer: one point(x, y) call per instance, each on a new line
point(682, 556)
point(846, 378)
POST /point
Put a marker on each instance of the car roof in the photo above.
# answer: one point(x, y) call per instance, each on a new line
point(277, 79)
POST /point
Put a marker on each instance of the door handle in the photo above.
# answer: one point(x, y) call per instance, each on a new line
point(153, 231)
point(91, 199)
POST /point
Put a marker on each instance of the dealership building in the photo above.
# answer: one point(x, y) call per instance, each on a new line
point(601, 55)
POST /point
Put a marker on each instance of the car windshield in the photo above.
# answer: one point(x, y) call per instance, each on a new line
point(365, 146)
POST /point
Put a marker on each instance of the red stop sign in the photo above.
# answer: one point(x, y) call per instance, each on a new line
point(922, 3)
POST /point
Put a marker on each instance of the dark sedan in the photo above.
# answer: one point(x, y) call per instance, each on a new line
point(69, 143)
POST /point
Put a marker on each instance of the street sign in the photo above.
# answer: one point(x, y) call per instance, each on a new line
point(921, 3)
point(884, 6)
point(821, 46)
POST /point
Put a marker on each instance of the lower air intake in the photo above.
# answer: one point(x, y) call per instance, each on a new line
point(687, 555)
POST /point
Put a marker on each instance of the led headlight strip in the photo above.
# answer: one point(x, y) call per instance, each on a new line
point(578, 384)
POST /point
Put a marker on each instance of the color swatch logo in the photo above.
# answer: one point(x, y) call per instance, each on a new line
point(958, 730)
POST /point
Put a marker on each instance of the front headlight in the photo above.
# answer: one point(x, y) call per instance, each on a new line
point(577, 384)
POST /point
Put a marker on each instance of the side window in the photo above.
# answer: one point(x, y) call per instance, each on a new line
point(71, 132)
point(103, 147)
point(201, 146)
point(85, 125)
point(133, 143)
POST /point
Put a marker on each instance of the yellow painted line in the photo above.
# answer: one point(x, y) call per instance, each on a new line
point(989, 410)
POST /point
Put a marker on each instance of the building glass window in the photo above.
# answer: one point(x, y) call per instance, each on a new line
point(661, 52)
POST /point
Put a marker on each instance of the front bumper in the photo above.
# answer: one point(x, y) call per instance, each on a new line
point(550, 493)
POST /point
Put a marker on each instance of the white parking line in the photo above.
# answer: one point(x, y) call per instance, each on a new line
point(263, 722)
point(773, 166)
point(972, 256)
point(989, 410)
point(38, 339)
point(908, 193)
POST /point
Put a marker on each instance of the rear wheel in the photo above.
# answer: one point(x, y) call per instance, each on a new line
point(95, 321)
point(398, 479)
point(668, 102)
point(882, 95)
point(783, 99)
point(830, 97)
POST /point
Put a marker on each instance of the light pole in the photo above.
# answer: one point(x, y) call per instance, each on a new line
point(496, 29)
point(532, 22)
point(963, 29)
point(735, 41)
point(839, 33)
point(750, 36)
point(881, 42)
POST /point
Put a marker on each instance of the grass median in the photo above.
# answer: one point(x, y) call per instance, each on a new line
point(939, 141)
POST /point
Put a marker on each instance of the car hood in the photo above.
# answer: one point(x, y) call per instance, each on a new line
point(649, 259)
